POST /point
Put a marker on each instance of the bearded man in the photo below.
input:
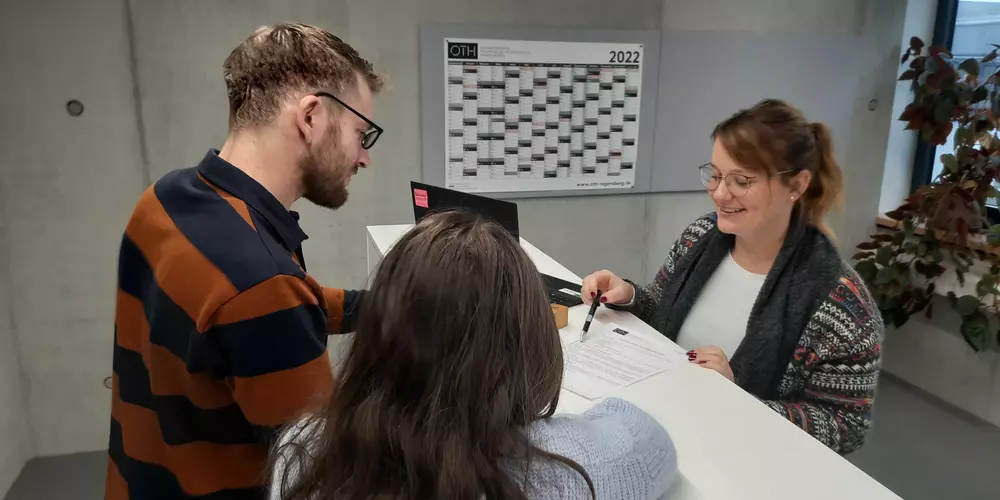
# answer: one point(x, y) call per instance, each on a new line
point(220, 334)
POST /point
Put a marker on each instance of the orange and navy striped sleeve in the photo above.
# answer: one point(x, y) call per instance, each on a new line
point(274, 337)
point(220, 336)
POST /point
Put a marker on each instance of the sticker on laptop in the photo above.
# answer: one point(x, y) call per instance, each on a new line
point(420, 198)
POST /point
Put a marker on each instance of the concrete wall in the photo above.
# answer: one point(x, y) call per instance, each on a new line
point(13, 449)
point(155, 101)
point(880, 22)
point(69, 186)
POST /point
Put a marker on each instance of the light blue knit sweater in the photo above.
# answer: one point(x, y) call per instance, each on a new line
point(627, 454)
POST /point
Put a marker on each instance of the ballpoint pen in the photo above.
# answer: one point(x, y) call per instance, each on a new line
point(590, 314)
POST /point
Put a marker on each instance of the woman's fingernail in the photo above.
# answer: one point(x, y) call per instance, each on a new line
point(690, 353)
point(593, 295)
point(604, 299)
point(691, 357)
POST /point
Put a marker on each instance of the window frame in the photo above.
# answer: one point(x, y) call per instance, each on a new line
point(925, 157)
point(944, 34)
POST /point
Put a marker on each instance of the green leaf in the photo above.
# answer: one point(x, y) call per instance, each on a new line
point(898, 238)
point(934, 270)
point(883, 256)
point(967, 305)
point(970, 66)
point(950, 162)
point(963, 136)
point(867, 270)
point(944, 111)
point(986, 286)
point(936, 254)
point(908, 227)
point(885, 275)
point(931, 66)
point(976, 331)
point(980, 95)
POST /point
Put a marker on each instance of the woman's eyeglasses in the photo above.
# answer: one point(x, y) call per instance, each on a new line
point(374, 131)
point(736, 184)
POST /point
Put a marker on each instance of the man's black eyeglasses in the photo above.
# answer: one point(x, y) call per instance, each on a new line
point(374, 131)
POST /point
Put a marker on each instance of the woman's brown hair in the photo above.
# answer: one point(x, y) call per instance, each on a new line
point(456, 352)
point(773, 137)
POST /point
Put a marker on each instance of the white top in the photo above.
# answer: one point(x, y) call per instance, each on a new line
point(720, 313)
point(728, 444)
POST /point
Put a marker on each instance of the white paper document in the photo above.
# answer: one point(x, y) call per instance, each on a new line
point(611, 358)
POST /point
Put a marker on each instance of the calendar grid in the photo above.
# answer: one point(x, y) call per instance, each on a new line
point(532, 123)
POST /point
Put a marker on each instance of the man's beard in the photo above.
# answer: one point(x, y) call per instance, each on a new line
point(325, 177)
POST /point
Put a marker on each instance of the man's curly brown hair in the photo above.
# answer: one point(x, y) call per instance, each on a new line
point(278, 60)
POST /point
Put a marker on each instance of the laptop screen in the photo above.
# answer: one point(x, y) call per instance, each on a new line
point(429, 199)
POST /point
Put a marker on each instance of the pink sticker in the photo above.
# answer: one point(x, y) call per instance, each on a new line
point(420, 198)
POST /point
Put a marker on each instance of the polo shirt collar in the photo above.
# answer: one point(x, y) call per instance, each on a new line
point(239, 184)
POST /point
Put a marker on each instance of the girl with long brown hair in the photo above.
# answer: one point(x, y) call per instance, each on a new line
point(757, 289)
point(451, 385)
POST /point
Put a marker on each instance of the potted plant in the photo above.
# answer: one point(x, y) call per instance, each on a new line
point(944, 227)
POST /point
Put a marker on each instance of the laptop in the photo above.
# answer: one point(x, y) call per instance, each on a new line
point(428, 199)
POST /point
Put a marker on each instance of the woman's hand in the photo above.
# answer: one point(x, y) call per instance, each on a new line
point(614, 290)
point(713, 358)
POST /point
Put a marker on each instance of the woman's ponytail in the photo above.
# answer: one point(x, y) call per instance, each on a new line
point(826, 190)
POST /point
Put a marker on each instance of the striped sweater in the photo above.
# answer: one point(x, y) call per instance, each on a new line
point(220, 337)
point(828, 386)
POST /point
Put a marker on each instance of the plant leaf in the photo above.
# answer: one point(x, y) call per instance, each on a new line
point(990, 57)
point(908, 227)
point(970, 66)
point(899, 238)
point(986, 286)
point(963, 136)
point(899, 316)
point(944, 111)
point(885, 275)
point(867, 245)
point(883, 256)
point(967, 305)
point(976, 331)
point(950, 162)
point(867, 270)
point(979, 95)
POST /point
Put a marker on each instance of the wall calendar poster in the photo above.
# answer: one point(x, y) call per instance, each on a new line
point(540, 116)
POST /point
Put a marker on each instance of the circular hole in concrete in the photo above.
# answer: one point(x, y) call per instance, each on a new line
point(74, 107)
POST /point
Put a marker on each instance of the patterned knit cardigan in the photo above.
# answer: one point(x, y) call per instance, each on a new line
point(829, 384)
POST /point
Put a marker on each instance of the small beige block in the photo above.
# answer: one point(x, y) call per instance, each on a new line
point(561, 314)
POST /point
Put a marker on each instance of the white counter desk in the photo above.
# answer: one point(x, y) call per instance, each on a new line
point(729, 445)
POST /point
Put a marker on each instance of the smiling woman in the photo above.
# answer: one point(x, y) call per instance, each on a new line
point(757, 289)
